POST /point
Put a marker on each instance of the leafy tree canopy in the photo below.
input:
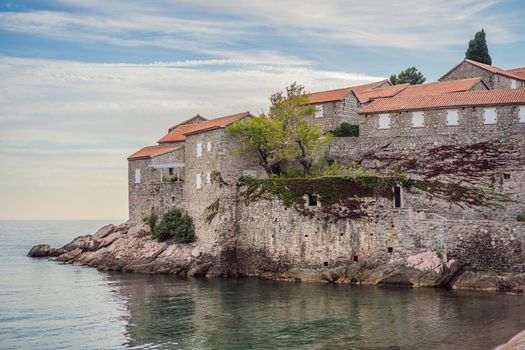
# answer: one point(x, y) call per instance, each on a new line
point(410, 75)
point(478, 50)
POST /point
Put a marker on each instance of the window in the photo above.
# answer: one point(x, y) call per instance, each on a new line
point(170, 171)
point(208, 177)
point(198, 181)
point(513, 84)
point(384, 121)
point(312, 200)
point(319, 113)
point(208, 146)
point(137, 176)
point(489, 116)
point(199, 149)
point(506, 176)
point(397, 197)
point(522, 114)
point(172, 199)
point(418, 120)
point(390, 249)
point(452, 117)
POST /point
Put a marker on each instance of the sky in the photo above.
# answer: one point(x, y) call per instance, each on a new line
point(85, 83)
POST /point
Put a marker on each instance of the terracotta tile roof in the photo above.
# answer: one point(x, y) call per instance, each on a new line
point(196, 116)
point(454, 99)
point(520, 72)
point(440, 87)
point(340, 94)
point(152, 151)
point(389, 91)
point(178, 134)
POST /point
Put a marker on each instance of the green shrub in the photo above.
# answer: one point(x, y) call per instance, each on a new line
point(520, 218)
point(346, 130)
point(175, 224)
point(151, 221)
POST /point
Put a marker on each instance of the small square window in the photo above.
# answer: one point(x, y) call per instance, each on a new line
point(170, 171)
point(208, 177)
point(319, 113)
point(356, 258)
point(418, 120)
point(452, 117)
point(384, 121)
point(489, 116)
point(513, 84)
point(208, 146)
point(137, 176)
point(390, 249)
point(506, 176)
point(172, 199)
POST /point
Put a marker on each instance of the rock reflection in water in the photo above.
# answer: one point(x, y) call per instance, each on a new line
point(167, 312)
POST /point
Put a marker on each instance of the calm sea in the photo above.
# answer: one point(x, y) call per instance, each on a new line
point(47, 305)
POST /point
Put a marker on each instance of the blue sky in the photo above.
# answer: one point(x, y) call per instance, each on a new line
point(86, 82)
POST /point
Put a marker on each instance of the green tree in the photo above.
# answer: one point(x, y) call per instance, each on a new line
point(478, 50)
point(304, 142)
point(260, 135)
point(410, 75)
point(175, 224)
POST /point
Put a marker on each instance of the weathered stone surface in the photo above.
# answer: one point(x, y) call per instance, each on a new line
point(39, 251)
point(103, 232)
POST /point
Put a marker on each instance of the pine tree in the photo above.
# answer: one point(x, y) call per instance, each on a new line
point(410, 75)
point(478, 50)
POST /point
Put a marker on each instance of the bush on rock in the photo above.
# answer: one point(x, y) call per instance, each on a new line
point(174, 225)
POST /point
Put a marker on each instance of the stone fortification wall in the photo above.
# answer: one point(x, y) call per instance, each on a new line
point(273, 238)
point(495, 160)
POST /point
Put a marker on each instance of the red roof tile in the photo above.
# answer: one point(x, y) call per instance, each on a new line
point(520, 72)
point(340, 94)
point(440, 87)
point(454, 99)
point(389, 91)
point(178, 134)
point(152, 151)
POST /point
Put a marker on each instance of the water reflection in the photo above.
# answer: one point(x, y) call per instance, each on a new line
point(167, 312)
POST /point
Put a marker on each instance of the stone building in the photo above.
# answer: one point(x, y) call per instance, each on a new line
point(494, 77)
point(342, 105)
point(467, 128)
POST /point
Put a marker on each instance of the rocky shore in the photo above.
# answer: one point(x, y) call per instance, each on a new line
point(128, 248)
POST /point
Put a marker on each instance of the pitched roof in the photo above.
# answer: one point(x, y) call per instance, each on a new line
point(340, 94)
point(382, 92)
point(152, 151)
point(187, 121)
point(440, 87)
point(487, 67)
point(178, 134)
point(454, 99)
point(520, 72)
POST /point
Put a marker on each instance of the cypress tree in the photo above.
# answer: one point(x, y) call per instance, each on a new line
point(478, 50)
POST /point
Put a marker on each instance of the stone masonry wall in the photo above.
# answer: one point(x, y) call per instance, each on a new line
point(222, 160)
point(273, 238)
point(335, 113)
point(435, 122)
point(155, 192)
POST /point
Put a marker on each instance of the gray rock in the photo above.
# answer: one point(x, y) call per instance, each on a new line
point(103, 232)
point(39, 251)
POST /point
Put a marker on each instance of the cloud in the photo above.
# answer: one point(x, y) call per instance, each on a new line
point(225, 29)
point(67, 127)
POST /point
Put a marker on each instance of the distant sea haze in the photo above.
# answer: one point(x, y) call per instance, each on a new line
point(48, 305)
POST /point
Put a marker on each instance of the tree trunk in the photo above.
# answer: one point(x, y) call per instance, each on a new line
point(304, 160)
point(263, 161)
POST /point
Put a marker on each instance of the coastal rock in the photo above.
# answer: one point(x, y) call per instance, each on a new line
point(104, 231)
point(39, 251)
